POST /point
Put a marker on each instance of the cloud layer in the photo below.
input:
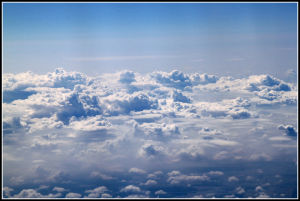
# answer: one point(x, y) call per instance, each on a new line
point(162, 134)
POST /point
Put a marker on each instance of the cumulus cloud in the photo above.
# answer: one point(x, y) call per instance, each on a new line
point(160, 192)
point(240, 190)
point(158, 131)
point(259, 189)
point(175, 177)
point(179, 97)
point(64, 128)
point(73, 195)
point(28, 193)
point(175, 79)
point(155, 175)
point(131, 189)
point(233, 178)
point(127, 77)
point(96, 192)
point(59, 189)
point(150, 182)
point(32, 193)
point(152, 149)
point(106, 195)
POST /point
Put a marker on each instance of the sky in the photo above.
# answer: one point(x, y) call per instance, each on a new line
point(235, 38)
point(152, 100)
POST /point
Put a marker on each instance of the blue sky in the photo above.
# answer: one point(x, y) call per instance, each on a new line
point(219, 38)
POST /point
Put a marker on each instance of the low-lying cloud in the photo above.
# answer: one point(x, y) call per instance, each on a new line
point(162, 134)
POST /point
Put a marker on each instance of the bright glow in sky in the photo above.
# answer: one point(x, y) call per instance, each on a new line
point(219, 38)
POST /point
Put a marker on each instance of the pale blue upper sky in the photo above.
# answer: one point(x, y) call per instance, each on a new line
point(217, 38)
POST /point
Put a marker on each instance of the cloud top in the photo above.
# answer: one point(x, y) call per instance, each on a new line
point(161, 134)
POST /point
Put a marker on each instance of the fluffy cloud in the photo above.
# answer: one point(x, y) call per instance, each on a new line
point(151, 150)
point(158, 131)
point(179, 97)
point(233, 178)
point(96, 192)
point(31, 193)
point(131, 189)
point(155, 175)
point(70, 131)
point(175, 79)
point(180, 80)
point(59, 189)
point(73, 195)
point(160, 192)
point(175, 177)
point(58, 78)
point(240, 190)
point(150, 182)
point(127, 77)
point(28, 193)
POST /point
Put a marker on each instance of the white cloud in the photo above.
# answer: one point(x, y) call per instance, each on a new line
point(151, 149)
point(160, 192)
point(158, 130)
point(28, 193)
point(96, 192)
point(174, 79)
point(261, 156)
point(31, 193)
point(155, 174)
point(223, 142)
point(150, 182)
point(240, 190)
point(106, 195)
point(61, 125)
point(175, 177)
point(90, 123)
point(127, 77)
point(59, 189)
point(137, 170)
point(259, 189)
point(131, 189)
point(233, 178)
point(73, 195)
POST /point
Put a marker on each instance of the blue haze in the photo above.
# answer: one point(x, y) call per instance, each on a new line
point(219, 38)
